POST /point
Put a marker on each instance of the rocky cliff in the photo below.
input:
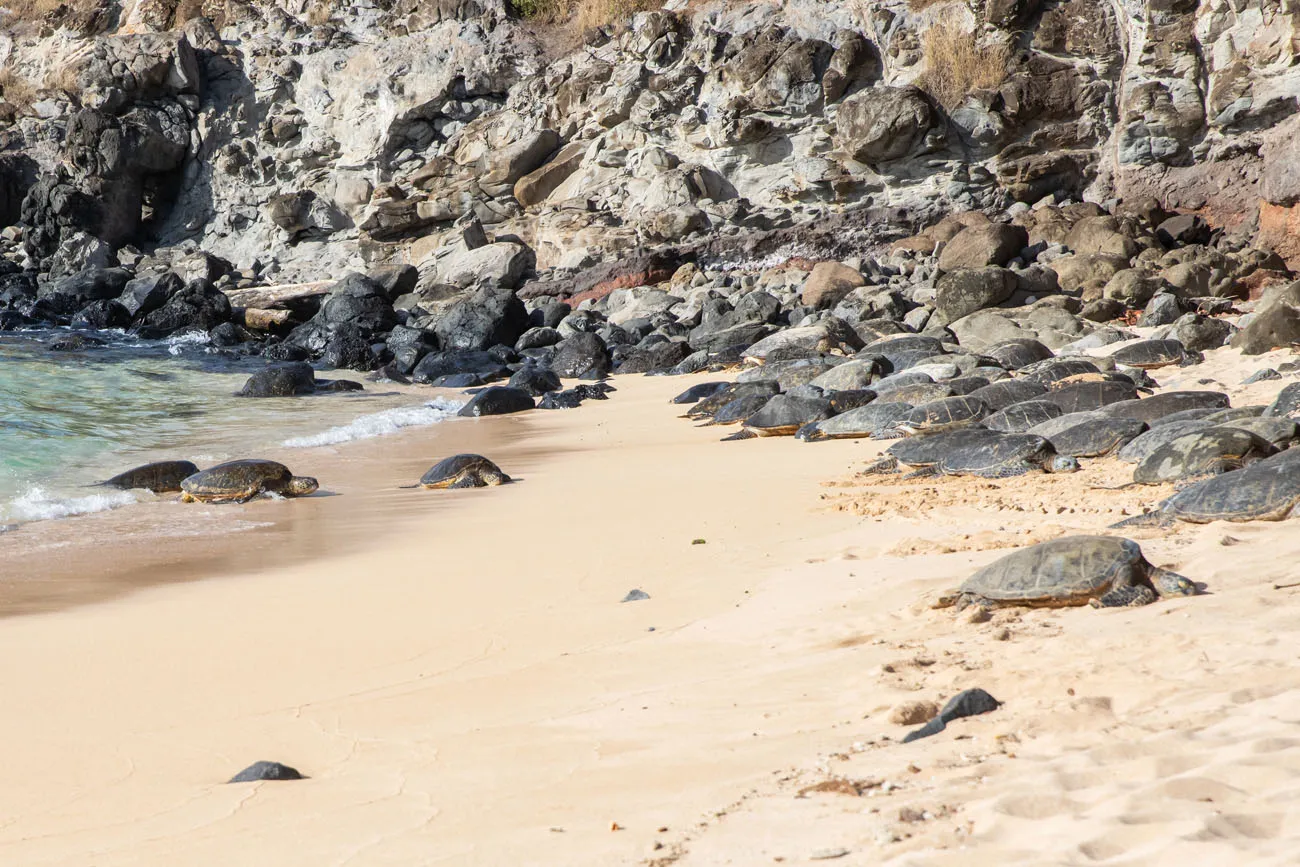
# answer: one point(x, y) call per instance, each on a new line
point(292, 141)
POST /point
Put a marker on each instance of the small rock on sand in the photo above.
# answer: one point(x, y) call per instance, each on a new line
point(266, 771)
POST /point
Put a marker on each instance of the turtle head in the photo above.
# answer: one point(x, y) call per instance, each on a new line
point(495, 477)
point(301, 486)
point(1169, 583)
point(1062, 464)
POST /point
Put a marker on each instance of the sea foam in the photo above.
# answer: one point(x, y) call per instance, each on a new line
point(381, 423)
point(37, 505)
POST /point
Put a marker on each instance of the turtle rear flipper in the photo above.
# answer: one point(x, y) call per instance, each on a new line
point(1147, 519)
point(1128, 596)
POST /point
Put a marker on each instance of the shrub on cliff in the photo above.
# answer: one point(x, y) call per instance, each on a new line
point(956, 63)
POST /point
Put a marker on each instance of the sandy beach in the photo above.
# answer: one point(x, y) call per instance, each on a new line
point(462, 685)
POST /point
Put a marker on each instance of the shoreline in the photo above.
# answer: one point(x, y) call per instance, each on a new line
point(461, 684)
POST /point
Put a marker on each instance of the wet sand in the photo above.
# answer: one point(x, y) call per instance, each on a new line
point(463, 686)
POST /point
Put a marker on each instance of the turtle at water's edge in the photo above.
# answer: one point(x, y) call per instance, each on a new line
point(463, 471)
point(162, 477)
point(241, 481)
point(1103, 571)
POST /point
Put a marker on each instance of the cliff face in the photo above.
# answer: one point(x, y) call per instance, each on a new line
point(299, 140)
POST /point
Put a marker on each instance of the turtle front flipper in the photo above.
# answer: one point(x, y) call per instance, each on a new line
point(1156, 518)
point(245, 495)
point(880, 466)
point(467, 480)
point(923, 473)
point(1127, 596)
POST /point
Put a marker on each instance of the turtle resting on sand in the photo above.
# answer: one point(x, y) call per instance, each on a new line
point(463, 471)
point(1267, 490)
point(241, 481)
point(1103, 571)
point(161, 477)
point(973, 452)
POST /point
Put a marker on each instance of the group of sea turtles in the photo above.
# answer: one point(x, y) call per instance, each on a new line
point(243, 480)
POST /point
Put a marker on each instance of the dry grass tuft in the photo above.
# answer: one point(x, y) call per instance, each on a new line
point(583, 14)
point(18, 92)
point(80, 16)
point(956, 63)
point(319, 14)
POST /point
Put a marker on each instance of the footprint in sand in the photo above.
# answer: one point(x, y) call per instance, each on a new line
point(1201, 789)
point(1238, 827)
point(1035, 806)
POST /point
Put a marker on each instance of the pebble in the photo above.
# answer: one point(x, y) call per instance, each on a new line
point(828, 854)
point(635, 596)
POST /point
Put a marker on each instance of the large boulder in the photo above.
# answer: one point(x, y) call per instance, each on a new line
point(883, 123)
point(198, 305)
point(982, 246)
point(1275, 325)
point(490, 315)
point(581, 354)
point(280, 380)
point(143, 295)
point(962, 292)
point(828, 283)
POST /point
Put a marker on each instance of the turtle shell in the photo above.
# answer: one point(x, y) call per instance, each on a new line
point(1152, 409)
point(233, 477)
point(709, 405)
point(1066, 571)
point(1096, 438)
point(1143, 445)
point(1084, 396)
point(1020, 417)
point(871, 420)
point(948, 412)
point(1264, 491)
point(450, 469)
point(916, 393)
point(1018, 353)
point(928, 449)
point(160, 477)
point(784, 414)
point(996, 457)
point(1008, 392)
point(1055, 369)
point(740, 409)
point(1281, 432)
point(1287, 402)
point(1150, 354)
point(1212, 450)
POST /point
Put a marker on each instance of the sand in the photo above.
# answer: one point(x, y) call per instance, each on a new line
point(461, 683)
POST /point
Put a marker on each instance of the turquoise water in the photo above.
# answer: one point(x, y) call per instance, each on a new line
point(70, 419)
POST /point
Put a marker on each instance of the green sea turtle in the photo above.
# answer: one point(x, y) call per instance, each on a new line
point(1084, 396)
point(1095, 439)
point(946, 413)
point(1020, 417)
point(1055, 369)
point(1005, 456)
point(707, 406)
point(924, 451)
point(160, 477)
point(871, 420)
point(1267, 490)
point(739, 409)
point(1150, 354)
point(784, 414)
point(241, 481)
point(1103, 571)
point(1143, 445)
point(463, 471)
point(1008, 392)
point(1152, 409)
point(1210, 451)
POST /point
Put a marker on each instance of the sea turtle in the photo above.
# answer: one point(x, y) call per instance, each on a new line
point(843, 401)
point(161, 477)
point(871, 420)
point(1281, 432)
point(463, 471)
point(945, 414)
point(1150, 354)
point(1267, 490)
point(1094, 439)
point(739, 409)
point(1054, 369)
point(1008, 392)
point(1062, 423)
point(923, 452)
point(1143, 445)
point(1103, 571)
point(1005, 456)
point(1020, 417)
point(1157, 406)
point(783, 415)
point(1205, 452)
point(709, 405)
point(698, 392)
point(1235, 413)
point(1083, 396)
point(241, 481)
point(915, 394)
point(967, 385)
point(1019, 352)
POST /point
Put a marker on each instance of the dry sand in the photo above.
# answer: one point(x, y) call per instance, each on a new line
point(463, 686)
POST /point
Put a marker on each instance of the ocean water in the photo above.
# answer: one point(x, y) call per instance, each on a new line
point(68, 420)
